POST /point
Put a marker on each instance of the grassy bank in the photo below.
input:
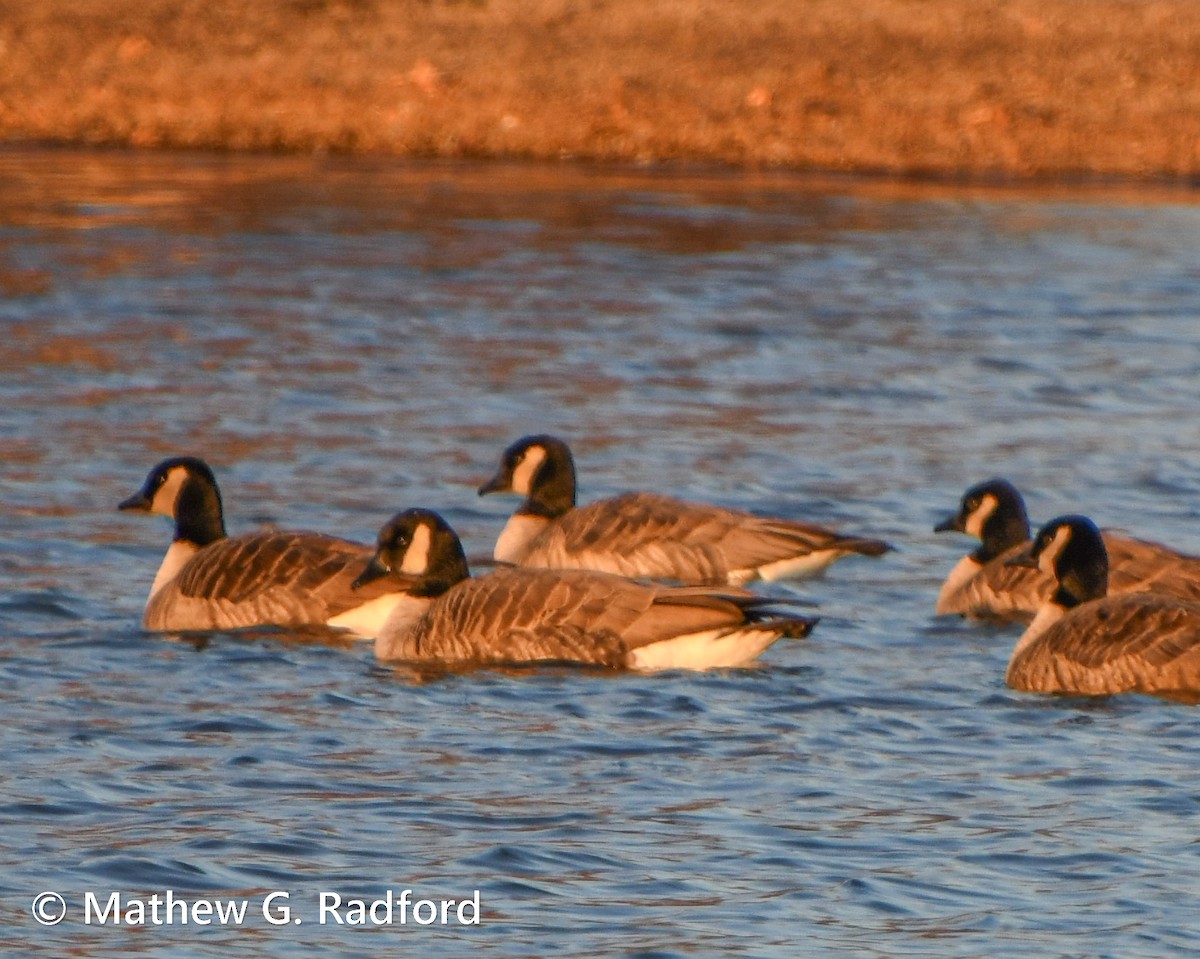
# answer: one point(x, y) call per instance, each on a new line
point(1051, 88)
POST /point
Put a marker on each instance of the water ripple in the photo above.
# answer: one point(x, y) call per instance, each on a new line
point(342, 340)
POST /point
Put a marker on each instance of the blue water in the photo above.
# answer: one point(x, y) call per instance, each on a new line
point(342, 339)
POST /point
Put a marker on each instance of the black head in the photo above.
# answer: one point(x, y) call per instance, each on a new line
point(541, 469)
point(185, 489)
point(993, 511)
point(1071, 549)
point(419, 549)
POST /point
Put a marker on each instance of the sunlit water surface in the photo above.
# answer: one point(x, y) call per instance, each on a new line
point(342, 340)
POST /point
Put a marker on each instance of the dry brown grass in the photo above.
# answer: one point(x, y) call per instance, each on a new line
point(1031, 88)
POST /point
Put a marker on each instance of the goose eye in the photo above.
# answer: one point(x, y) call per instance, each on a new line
point(973, 504)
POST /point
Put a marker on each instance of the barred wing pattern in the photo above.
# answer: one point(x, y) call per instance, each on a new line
point(1128, 643)
point(645, 534)
point(1140, 566)
point(1001, 591)
point(276, 578)
point(524, 615)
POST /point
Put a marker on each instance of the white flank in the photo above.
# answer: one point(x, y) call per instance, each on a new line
point(797, 567)
point(711, 649)
point(367, 620)
point(178, 555)
point(518, 533)
point(389, 640)
point(1047, 615)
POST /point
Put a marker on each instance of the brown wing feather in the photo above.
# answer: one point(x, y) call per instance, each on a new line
point(1129, 642)
point(1140, 566)
point(1002, 590)
point(523, 614)
point(680, 610)
point(649, 534)
point(1135, 566)
point(517, 615)
point(315, 568)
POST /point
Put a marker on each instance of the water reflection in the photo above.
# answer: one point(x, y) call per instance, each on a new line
point(345, 338)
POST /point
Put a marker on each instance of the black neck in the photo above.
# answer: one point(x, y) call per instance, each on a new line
point(447, 568)
point(1081, 585)
point(1004, 529)
point(198, 516)
point(552, 490)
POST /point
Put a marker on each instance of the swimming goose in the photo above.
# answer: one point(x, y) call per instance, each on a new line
point(519, 615)
point(208, 580)
point(648, 535)
point(984, 585)
point(1083, 641)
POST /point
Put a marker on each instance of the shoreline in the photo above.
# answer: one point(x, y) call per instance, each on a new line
point(1186, 187)
point(1001, 92)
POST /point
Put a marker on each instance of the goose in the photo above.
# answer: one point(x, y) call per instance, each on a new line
point(647, 534)
point(1085, 641)
point(521, 615)
point(984, 585)
point(208, 580)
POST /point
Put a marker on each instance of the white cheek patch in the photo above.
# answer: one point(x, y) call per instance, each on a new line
point(1048, 559)
point(526, 470)
point(167, 494)
point(977, 520)
point(416, 557)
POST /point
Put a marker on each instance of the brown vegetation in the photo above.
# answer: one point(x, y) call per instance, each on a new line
point(1029, 88)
